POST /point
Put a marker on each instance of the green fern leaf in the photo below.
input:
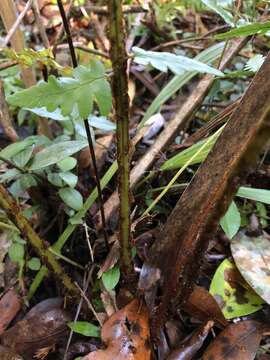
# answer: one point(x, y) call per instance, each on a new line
point(88, 85)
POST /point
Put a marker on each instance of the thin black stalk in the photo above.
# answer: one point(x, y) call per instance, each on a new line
point(86, 123)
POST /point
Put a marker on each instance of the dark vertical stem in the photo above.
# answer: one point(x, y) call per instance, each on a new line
point(121, 104)
point(86, 124)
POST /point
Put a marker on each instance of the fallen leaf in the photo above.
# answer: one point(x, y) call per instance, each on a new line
point(252, 258)
point(7, 354)
point(237, 341)
point(39, 329)
point(202, 305)
point(190, 347)
point(126, 335)
point(232, 293)
point(10, 304)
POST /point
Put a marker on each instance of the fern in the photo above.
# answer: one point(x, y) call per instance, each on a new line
point(178, 64)
point(88, 85)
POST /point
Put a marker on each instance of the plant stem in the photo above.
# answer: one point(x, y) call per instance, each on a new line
point(86, 124)
point(13, 212)
point(121, 104)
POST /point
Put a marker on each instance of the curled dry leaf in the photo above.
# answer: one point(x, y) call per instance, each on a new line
point(252, 258)
point(39, 329)
point(203, 306)
point(235, 342)
point(190, 347)
point(10, 304)
point(7, 354)
point(126, 335)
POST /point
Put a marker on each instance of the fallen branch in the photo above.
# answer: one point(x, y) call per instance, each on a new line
point(178, 252)
point(102, 10)
point(13, 212)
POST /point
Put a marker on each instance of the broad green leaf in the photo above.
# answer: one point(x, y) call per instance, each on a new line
point(16, 189)
point(22, 158)
point(16, 252)
point(178, 64)
point(252, 258)
point(255, 194)
point(101, 122)
point(10, 174)
point(111, 278)
point(86, 86)
point(178, 81)
point(231, 221)
point(55, 153)
point(55, 179)
point(72, 198)
point(34, 264)
point(245, 30)
point(13, 149)
point(54, 115)
point(69, 178)
point(180, 159)
point(216, 6)
point(85, 328)
point(232, 293)
point(27, 181)
point(67, 164)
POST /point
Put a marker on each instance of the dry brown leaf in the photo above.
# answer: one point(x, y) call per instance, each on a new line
point(126, 335)
point(10, 304)
point(238, 341)
point(203, 306)
point(39, 329)
point(190, 347)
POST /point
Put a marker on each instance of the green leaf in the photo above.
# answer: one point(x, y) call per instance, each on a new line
point(252, 258)
point(180, 159)
point(178, 64)
point(27, 181)
point(72, 198)
point(67, 164)
point(13, 149)
point(86, 86)
point(255, 194)
point(34, 264)
point(231, 221)
point(101, 122)
point(55, 179)
point(16, 252)
point(219, 9)
point(10, 174)
point(245, 30)
point(233, 295)
point(111, 278)
point(56, 152)
point(23, 157)
point(85, 328)
point(54, 115)
point(69, 178)
point(178, 81)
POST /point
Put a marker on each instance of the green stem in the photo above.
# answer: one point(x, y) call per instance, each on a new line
point(121, 105)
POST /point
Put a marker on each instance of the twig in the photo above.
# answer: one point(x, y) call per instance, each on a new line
point(5, 120)
point(13, 211)
point(7, 65)
point(102, 10)
point(40, 24)
point(86, 123)
point(121, 105)
point(17, 22)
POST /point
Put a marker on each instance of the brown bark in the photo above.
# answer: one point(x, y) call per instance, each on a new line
point(177, 253)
